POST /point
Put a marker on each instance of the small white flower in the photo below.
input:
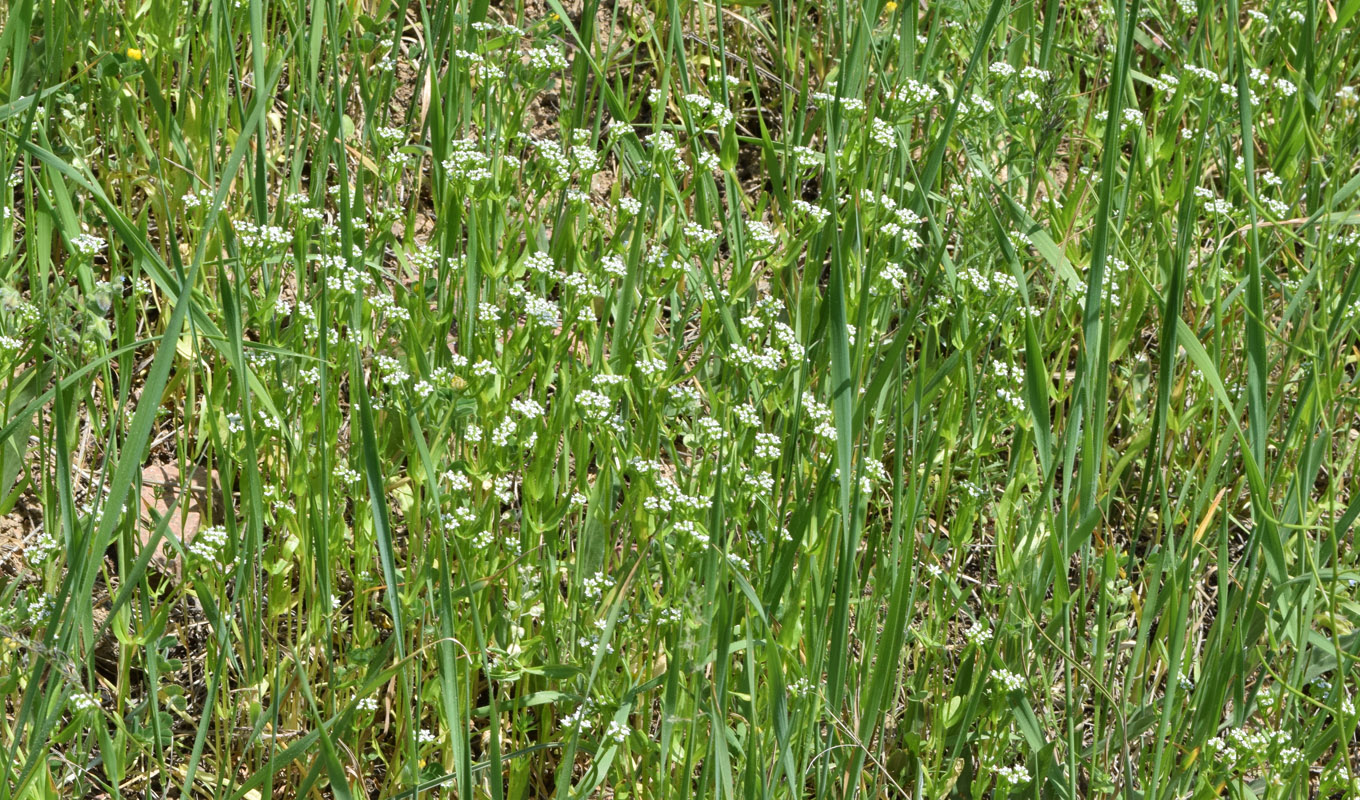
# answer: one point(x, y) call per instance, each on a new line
point(616, 732)
point(84, 702)
point(87, 244)
point(1014, 775)
point(978, 634)
point(1009, 680)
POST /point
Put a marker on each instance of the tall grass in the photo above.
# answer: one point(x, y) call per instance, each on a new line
point(679, 399)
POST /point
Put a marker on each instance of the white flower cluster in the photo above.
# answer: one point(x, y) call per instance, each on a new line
point(767, 446)
point(341, 277)
point(762, 233)
point(1260, 79)
point(387, 306)
point(1008, 680)
point(39, 609)
point(708, 111)
point(818, 214)
point(1215, 205)
point(768, 359)
point(196, 199)
point(691, 529)
point(1130, 118)
point(873, 475)
point(43, 547)
point(669, 496)
point(882, 134)
point(987, 283)
point(978, 634)
point(902, 222)
point(87, 244)
point(820, 415)
point(579, 718)
point(597, 407)
point(583, 156)
point(1276, 208)
point(1244, 748)
point(1014, 377)
point(711, 432)
point(1014, 775)
point(616, 732)
point(84, 701)
point(828, 97)
point(807, 158)
point(548, 58)
point(260, 238)
point(697, 235)
point(1203, 74)
point(912, 94)
point(596, 585)
point(665, 145)
point(466, 163)
point(209, 543)
point(543, 311)
point(1165, 83)
point(975, 108)
point(552, 159)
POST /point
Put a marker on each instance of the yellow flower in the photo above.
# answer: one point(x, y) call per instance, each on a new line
point(134, 54)
point(890, 6)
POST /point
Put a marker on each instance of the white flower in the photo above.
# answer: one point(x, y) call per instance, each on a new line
point(87, 244)
point(767, 445)
point(595, 405)
point(596, 585)
point(698, 236)
point(208, 543)
point(882, 133)
point(84, 702)
point(616, 732)
point(548, 58)
point(1009, 680)
point(818, 214)
point(978, 634)
point(1014, 775)
point(543, 311)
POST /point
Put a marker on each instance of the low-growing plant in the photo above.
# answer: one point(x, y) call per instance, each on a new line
point(671, 399)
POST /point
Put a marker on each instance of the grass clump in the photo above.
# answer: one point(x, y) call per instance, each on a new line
point(670, 399)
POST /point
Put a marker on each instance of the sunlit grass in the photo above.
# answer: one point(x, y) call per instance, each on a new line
point(679, 400)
